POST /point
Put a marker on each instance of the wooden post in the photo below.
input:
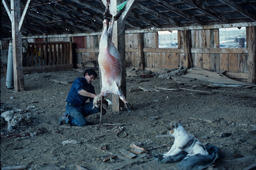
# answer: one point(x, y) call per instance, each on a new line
point(140, 51)
point(251, 54)
point(70, 52)
point(186, 35)
point(119, 41)
point(17, 46)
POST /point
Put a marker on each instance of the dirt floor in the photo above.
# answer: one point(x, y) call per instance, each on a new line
point(222, 116)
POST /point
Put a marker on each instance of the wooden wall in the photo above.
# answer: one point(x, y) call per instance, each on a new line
point(87, 55)
point(143, 47)
point(47, 56)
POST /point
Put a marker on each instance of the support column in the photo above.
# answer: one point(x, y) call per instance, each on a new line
point(140, 51)
point(186, 37)
point(119, 41)
point(251, 54)
point(17, 46)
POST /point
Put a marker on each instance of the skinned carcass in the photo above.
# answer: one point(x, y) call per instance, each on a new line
point(109, 63)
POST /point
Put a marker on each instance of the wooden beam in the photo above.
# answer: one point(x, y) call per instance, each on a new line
point(7, 9)
point(205, 11)
point(23, 14)
point(119, 41)
point(142, 62)
point(239, 9)
point(251, 54)
point(157, 14)
point(179, 12)
point(17, 46)
point(193, 27)
point(187, 44)
point(215, 26)
point(86, 4)
point(144, 19)
point(128, 7)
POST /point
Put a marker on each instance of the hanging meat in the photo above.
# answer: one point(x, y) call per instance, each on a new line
point(109, 62)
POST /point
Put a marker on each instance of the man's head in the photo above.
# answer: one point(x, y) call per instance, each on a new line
point(90, 75)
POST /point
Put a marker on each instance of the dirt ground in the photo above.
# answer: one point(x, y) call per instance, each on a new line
point(222, 116)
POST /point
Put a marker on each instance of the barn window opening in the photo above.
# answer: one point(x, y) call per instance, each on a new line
point(232, 37)
point(168, 39)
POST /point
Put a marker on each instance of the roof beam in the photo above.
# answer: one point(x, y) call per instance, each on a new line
point(88, 6)
point(145, 19)
point(7, 9)
point(178, 11)
point(239, 9)
point(128, 7)
point(172, 21)
point(206, 11)
point(23, 14)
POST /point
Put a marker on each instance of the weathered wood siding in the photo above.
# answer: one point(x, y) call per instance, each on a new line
point(207, 54)
point(142, 49)
point(87, 51)
point(47, 56)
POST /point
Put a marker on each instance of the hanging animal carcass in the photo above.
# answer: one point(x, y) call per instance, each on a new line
point(109, 62)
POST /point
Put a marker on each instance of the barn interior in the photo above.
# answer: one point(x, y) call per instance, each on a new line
point(190, 61)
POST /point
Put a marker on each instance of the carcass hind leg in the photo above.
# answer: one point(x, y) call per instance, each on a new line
point(126, 104)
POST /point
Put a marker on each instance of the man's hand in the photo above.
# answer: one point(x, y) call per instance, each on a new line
point(97, 102)
point(86, 94)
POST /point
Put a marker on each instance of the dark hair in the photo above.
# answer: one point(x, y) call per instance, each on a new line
point(91, 72)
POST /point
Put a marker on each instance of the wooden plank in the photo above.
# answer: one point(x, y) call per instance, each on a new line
point(206, 61)
point(233, 63)
point(50, 54)
point(187, 48)
point(179, 40)
point(151, 40)
point(203, 39)
point(58, 53)
point(207, 38)
point(66, 53)
point(175, 60)
point(43, 54)
point(23, 14)
point(48, 68)
point(219, 50)
point(17, 46)
point(87, 50)
point(54, 54)
point(242, 63)
point(70, 52)
point(165, 50)
point(215, 62)
point(198, 60)
point(63, 53)
point(141, 56)
point(251, 54)
point(224, 62)
point(216, 38)
point(241, 76)
point(195, 27)
point(32, 55)
point(212, 62)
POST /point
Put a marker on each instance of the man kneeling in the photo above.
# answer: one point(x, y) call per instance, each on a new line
point(77, 107)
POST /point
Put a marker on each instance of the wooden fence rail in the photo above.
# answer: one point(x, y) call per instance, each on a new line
point(48, 55)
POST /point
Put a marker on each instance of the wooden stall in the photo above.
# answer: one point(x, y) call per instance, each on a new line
point(48, 56)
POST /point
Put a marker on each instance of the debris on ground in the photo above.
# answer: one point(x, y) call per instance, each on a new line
point(69, 141)
point(173, 72)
